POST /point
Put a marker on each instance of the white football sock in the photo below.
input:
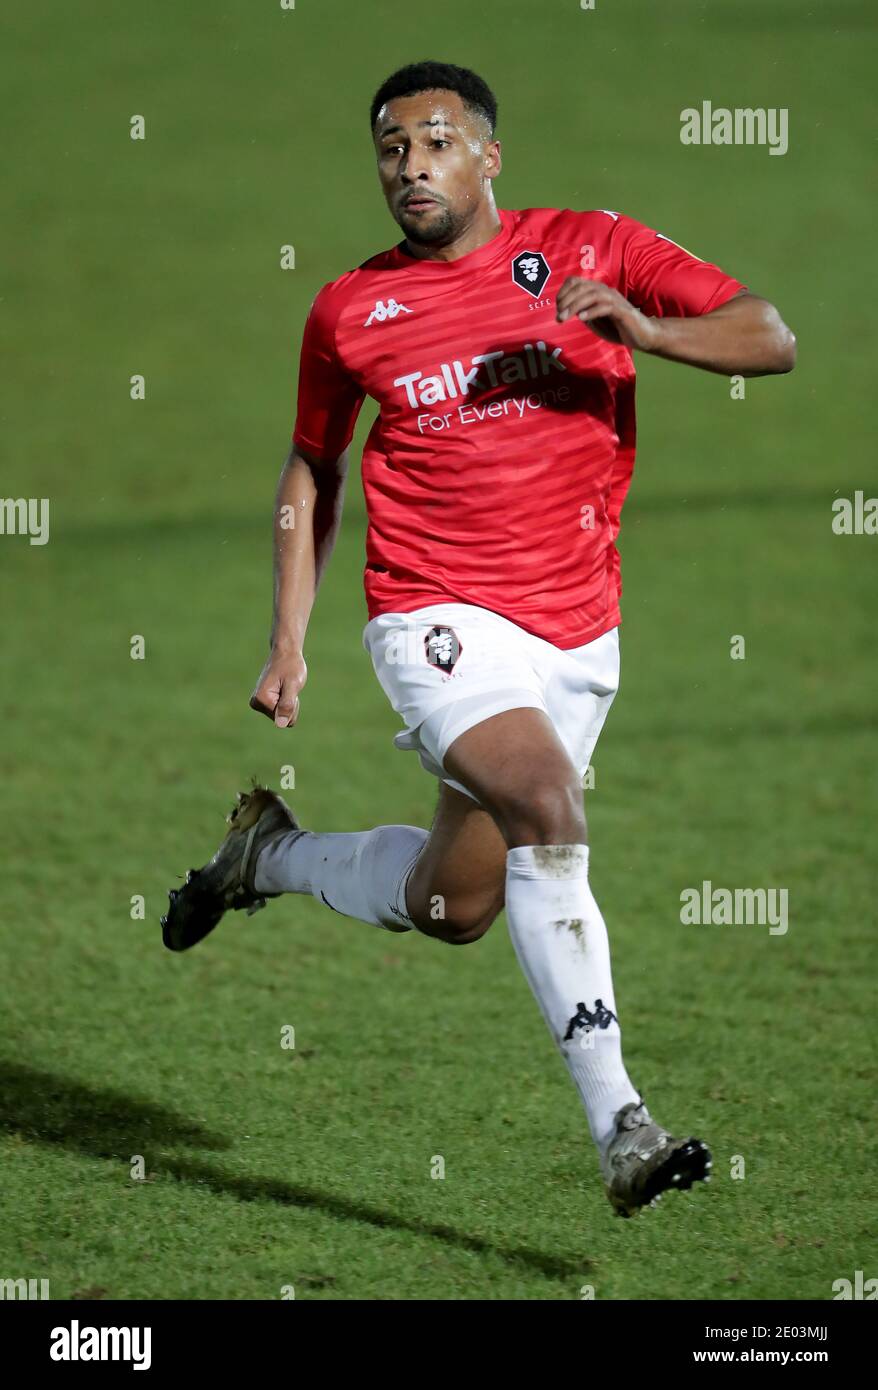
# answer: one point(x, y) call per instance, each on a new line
point(361, 875)
point(561, 943)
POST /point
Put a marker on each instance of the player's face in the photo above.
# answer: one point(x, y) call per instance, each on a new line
point(435, 161)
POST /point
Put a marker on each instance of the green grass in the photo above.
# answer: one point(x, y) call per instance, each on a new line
point(312, 1167)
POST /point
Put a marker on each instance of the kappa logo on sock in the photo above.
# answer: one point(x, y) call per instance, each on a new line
point(442, 646)
point(585, 1019)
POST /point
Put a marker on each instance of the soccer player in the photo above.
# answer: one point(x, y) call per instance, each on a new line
point(499, 347)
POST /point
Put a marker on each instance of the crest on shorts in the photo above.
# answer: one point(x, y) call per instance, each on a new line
point(442, 648)
point(530, 271)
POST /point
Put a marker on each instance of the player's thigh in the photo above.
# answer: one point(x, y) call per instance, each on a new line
point(517, 768)
point(457, 886)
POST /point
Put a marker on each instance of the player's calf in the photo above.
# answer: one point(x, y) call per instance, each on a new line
point(456, 888)
point(458, 923)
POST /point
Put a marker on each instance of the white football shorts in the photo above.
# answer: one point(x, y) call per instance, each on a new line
point(446, 667)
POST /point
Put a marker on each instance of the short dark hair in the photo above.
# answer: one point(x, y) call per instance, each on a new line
point(430, 77)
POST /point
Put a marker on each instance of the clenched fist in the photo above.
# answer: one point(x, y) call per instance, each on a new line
point(277, 690)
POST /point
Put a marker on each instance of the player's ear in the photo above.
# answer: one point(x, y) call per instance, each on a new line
point(493, 159)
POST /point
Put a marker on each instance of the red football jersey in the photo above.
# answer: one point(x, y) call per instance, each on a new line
point(503, 449)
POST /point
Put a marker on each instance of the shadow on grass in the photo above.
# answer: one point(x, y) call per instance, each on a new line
point(93, 1120)
point(254, 1189)
point(48, 1109)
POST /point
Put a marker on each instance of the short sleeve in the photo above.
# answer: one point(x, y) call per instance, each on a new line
point(329, 399)
point(663, 279)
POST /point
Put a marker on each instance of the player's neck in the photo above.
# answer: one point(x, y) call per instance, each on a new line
point(484, 227)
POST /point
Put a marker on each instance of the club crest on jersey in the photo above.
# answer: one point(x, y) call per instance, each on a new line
point(442, 647)
point(383, 311)
point(530, 271)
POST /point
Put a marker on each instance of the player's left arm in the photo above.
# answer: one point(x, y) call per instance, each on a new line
point(746, 336)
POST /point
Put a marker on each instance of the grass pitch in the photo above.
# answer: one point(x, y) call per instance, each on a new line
point(267, 1167)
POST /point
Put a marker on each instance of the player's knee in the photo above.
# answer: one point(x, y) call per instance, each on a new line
point(545, 813)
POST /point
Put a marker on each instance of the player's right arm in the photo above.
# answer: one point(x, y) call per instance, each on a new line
point(308, 503)
point(307, 514)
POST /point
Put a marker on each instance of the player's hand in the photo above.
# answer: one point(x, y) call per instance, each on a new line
point(607, 313)
point(277, 690)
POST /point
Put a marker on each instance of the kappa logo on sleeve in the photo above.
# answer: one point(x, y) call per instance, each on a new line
point(530, 271)
point(383, 311)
